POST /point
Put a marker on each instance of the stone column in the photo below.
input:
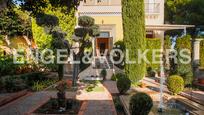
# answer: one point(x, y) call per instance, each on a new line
point(196, 56)
point(196, 52)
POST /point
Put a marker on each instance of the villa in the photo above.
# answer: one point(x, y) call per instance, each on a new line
point(108, 15)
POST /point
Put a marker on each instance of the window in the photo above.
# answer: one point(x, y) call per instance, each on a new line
point(102, 2)
point(149, 34)
point(105, 34)
point(89, 2)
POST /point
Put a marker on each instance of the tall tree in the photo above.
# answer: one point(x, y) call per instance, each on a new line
point(134, 36)
point(184, 12)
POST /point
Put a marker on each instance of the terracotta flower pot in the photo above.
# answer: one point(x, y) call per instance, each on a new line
point(69, 83)
point(201, 81)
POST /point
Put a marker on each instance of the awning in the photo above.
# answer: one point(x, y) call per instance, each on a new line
point(166, 27)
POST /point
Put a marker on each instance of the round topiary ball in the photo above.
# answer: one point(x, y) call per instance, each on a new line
point(123, 84)
point(175, 84)
point(140, 104)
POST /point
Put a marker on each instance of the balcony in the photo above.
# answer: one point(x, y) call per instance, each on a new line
point(152, 8)
point(92, 8)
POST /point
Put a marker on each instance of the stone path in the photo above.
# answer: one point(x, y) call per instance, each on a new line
point(111, 87)
point(97, 103)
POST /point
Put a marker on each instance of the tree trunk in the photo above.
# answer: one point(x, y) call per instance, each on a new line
point(60, 71)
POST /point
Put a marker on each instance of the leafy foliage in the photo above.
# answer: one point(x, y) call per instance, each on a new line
point(184, 11)
point(121, 46)
point(86, 30)
point(184, 70)
point(117, 76)
point(140, 104)
point(123, 84)
point(202, 54)
point(134, 36)
point(14, 22)
point(175, 84)
point(104, 74)
point(152, 44)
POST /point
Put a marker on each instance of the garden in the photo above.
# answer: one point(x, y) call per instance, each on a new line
point(28, 27)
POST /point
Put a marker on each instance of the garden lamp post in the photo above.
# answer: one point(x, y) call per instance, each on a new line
point(75, 51)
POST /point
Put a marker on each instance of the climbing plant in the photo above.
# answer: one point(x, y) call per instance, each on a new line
point(202, 54)
point(184, 70)
point(152, 44)
point(133, 16)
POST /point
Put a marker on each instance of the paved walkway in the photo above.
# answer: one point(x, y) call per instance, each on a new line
point(29, 103)
point(97, 103)
point(111, 87)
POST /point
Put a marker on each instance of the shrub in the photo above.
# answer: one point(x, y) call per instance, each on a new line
point(104, 74)
point(150, 72)
point(40, 85)
point(175, 84)
point(123, 84)
point(119, 45)
point(30, 78)
point(184, 70)
point(115, 77)
point(140, 104)
point(152, 44)
point(13, 84)
point(134, 36)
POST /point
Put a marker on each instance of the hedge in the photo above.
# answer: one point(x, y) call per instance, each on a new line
point(202, 54)
point(152, 44)
point(133, 16)
point(184, 70)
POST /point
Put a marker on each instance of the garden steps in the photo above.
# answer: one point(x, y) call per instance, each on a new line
point(184, 97)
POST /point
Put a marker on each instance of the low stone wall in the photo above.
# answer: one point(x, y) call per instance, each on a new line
point(11, 97)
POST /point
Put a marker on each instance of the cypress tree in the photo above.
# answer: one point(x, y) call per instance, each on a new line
point(134, 36)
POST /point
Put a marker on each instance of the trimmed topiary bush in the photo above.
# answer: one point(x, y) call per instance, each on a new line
point(104, 74)
point(184, 70)
point(140, 104)
point(175, 84)
point(123, 83)
point(115, 77)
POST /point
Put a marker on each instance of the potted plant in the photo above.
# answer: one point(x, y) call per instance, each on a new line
point(104, 74)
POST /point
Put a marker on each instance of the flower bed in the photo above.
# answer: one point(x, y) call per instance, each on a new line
point(72, 107)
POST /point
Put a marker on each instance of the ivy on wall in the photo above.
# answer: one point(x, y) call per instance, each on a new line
point(152, 44)
point(202, 54)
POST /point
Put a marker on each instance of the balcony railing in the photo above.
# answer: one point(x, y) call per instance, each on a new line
point(152, 8)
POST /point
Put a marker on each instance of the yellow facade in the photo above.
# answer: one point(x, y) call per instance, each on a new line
point(116, 21)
